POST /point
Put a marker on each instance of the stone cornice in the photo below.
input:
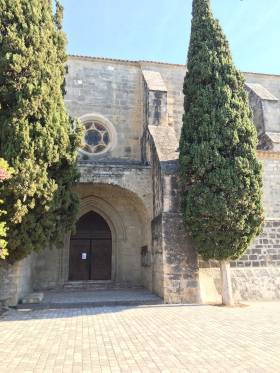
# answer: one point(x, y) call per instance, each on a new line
point(143, 62)
point(137, 63)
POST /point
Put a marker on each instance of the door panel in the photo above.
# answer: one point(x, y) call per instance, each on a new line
point(79, 262)
point(91, 249)
point(101, 259)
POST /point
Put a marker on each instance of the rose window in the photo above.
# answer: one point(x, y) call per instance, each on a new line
point(97, 138)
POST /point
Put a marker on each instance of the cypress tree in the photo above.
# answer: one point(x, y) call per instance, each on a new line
point(37, 136)
point(220, 174)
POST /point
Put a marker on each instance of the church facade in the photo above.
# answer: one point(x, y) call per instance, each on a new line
point(130, 228)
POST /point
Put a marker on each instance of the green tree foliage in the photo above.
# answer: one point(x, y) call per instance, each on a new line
point(220, 174)
point(37, 136)
point(5, 174)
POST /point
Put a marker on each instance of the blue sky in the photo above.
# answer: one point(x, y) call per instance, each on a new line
point(160, 29)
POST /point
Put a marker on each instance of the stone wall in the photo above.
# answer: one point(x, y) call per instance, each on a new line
point(15, 281)
point(134, 186)
point(265, 252)
point(111, 89)
point(271, 184)
point(134, 177)
point(157, 257)
point(173, 78)
point(129, 226)
point(255, 276)
point(123, 196)
point(156, 98)
point(174, 268)
point(46, 269)
point(181, 281)
point(249, 284)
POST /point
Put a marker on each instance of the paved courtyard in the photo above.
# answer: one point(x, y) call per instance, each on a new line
point(142, 339)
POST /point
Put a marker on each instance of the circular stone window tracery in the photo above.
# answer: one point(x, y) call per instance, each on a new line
point(97, 137)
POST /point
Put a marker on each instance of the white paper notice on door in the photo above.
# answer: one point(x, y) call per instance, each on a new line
point(84, 256)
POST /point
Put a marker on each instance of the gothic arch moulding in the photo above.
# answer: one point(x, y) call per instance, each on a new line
point(114, 220)
point(103, 208)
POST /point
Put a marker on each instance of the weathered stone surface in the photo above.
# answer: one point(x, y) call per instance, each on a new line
point(271, 181)
point(166, 142)
point(261, 92)
point(253, 284)
point(265, 251)
point(32, 298)
point(111, 89)
point(173, 273)
point(128, 216)
point(134, 186)
point(15, 281)
point(181, 282)
point(264, 94)
point(154, 81)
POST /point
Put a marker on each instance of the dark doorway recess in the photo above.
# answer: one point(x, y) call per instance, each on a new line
point(91, 249)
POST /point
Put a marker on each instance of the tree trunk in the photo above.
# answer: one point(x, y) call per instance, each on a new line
point(227, 297)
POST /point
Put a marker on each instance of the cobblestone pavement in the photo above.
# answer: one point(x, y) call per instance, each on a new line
point(142, 339)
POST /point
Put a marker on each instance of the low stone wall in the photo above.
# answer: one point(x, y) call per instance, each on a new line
point(256, 283)
point(265, 250)
point(249, 284)
point(255, 276)
point(15, 281)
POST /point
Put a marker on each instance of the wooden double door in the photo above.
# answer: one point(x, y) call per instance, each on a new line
point(91, 250)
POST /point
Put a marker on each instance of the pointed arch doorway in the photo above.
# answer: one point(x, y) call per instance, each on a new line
point(90, 256)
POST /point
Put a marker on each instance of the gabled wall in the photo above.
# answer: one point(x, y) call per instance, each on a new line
point(112, 89)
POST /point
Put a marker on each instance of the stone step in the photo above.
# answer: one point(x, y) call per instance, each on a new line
point(97, 304)
point(80, 298)
point(97, 285)
point(32, 298)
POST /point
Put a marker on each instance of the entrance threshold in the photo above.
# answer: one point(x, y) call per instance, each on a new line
point(94, 285)
point(80, 298)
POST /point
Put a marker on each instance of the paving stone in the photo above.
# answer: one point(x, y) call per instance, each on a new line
point(142, 339)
